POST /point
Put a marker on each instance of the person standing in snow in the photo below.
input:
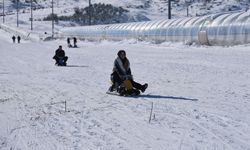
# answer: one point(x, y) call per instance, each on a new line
point(13, 39)
point(60, 57)
point(75, 41)
point(122, 72)
point(68, 42)
point(18, 39)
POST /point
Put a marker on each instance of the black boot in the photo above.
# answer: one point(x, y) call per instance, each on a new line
point(144, 87)
point(111, 88)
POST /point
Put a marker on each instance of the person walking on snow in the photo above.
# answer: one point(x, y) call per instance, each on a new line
point(13, 39)
point(18, 39)
point(75, 41)
point(68, 42)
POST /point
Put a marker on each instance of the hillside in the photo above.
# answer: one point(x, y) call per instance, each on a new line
point(151, 9)
point(200, 97)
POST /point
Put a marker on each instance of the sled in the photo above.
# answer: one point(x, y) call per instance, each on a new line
point(130, 93)
point(113, 93)
point(136, 93)
point(126, 89)
point(61, 62)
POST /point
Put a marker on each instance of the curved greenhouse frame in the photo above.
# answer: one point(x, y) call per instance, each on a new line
point(219, 29)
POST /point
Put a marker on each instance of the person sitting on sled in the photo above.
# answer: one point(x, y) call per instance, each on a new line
point(60, 57)
point(122, 78)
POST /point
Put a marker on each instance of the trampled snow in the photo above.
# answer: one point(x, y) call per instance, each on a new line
point(200, 94)
point(200, 97)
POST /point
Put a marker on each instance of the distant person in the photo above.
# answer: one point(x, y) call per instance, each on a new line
point(14, 39)
point(18, 39)
point(122, 79)
point(60, 57)
point(75, 41)
point(68, 42)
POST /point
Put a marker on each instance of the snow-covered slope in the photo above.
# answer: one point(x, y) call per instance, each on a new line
point(152, 9)
point(200, 97)
point(140, 10)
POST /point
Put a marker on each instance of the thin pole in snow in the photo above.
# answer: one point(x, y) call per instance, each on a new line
point(169, 9)
point(89, 12)
point(17, 11)
point(65, 108)
point(3, 12)
point(31, 15)
point(53, 18)
point(150, 117)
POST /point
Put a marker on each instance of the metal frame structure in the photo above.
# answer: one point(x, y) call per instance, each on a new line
point(218, 29)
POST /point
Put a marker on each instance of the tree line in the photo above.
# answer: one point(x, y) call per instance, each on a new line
point(100, 14)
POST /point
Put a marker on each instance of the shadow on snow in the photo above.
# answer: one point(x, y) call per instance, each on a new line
point(166, 97)
point(76, 66)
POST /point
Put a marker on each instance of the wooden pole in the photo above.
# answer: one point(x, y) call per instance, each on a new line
point(169, 9)
point(3, 12)
point(150, 117)
point(31, 14)
point(17, 11)
point(65, 106)
point(89, 12)
point(53, 18)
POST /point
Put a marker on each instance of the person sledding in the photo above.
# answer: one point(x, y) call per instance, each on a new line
point(122, 79)
point(60, 57)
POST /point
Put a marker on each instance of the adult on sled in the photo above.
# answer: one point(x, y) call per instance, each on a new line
point(60, 57)
point(122, 78)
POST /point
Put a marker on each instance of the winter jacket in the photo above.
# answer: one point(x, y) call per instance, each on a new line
point(60, 53)
point(122, 68)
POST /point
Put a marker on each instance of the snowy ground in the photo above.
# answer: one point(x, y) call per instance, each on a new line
point(200, 96)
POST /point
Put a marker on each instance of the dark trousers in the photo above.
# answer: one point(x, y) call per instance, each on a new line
point(137, 85)
point(58, 59)
point(116, 79)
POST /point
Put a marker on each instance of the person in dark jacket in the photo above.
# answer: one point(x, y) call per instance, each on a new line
point(60, 57)
point(13, 39)
point(18, 39)
point(75, 41)
point(68, 42)
point(122, 72)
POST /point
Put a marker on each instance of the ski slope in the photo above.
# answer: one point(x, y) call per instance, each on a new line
point(200, 96)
